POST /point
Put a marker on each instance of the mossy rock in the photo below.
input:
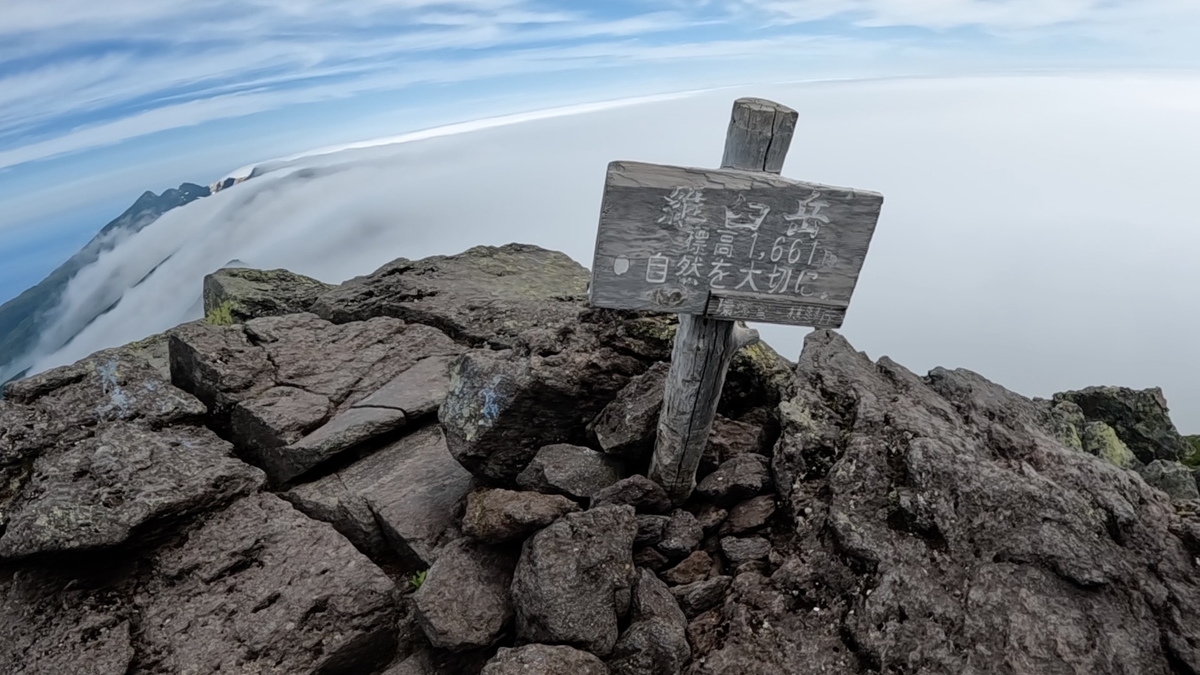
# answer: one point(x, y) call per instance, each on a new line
point(238, 294)
point(1101, 440)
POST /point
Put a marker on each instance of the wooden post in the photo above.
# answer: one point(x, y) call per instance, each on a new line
point(759, 135)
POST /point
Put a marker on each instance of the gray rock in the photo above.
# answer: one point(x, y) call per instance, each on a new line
point(637, 491)
point(569, 470)
point(404, 497)
point(1099, 439)
point(709, 517)
point(536, 659)
point(464, 602)
point(277, 378)
point(1140, 419)
point(656, 641)
point(485, 295)
point(502, 409)
point(627, 427)
point(261, 588)
point(682, 535)
point(241, 293)
point(281, 415)
point(50, 629)
point(1172, 478)
point(497, 516)
point(700, 596)
point(732, 438)
point(573, 579)
point(740, 550)
point(740, 478)
point(749, 515)
point(103, 491)
point(696, 567)
point(650, 529)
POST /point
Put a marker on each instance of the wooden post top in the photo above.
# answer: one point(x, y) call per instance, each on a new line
point(760, 133)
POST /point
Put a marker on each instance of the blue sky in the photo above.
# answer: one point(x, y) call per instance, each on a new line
point(101, 101)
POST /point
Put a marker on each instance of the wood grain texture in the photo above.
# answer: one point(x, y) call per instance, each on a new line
point(704, 346)
point(671, 237)
point(699, 361)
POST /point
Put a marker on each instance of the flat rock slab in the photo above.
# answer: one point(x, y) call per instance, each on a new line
point(537, 659)
point(740, 478)
point(260, 588)
point(404, 497)
point(572, 582)
point(349, 429)
point(100, 492)
point(749, 515)
point(497, 516)
point(464, 602)
point(570, 470)
point(48, 630)
point(485, 295)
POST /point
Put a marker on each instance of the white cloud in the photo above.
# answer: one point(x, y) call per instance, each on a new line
point(1037, 230)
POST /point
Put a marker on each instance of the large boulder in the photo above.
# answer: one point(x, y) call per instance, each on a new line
point(95, 454)
point(483, 296)
point(1140, 419)
point(261, 588)
point(403, 500)
point(464, 602)
point(572, 582)
point(919, 505)
point(1173, 478)
point(502, 408)
point(238, 294)
point(256, 588)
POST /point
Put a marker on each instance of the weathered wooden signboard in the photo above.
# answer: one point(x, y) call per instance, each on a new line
point(731, 245)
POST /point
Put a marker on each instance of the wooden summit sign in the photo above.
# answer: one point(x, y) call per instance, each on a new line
point(730, 244)
point(715, 246)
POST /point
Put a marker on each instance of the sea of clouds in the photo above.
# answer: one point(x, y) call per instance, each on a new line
point(1040, 230)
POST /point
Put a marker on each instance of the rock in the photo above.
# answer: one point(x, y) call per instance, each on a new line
point(757, 378)
point(640, 492)
point(940, 495)
point(261, 588)
point(729, 439)
point(464, 602)
point(404, 498)
point(650, 529)
point(497, 516)
point(1172, 478)
point(628, 426)
point(1100, 440)
point(485, 295)
point(656, 641)
point(749, 515)
point(569, 470)
point(740, 550)
point(1067, 423)
point(280, 416)
point(696, 567)
point(50, 629)
point(277, 378)
point(240, 293)
point(502, 409)
point(538, 659)
point(650, 558)
point(710, 517)
point(1140, 419)
point(682, 535)
point(573, 579)
point(107, 490)
point(700, 596)
point(738, 479)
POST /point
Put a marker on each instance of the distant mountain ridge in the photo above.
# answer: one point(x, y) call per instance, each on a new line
point(23, 318)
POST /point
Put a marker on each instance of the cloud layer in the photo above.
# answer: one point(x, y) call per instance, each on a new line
point(1038, 230)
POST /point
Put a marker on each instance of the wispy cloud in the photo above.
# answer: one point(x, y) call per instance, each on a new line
point(76, 74)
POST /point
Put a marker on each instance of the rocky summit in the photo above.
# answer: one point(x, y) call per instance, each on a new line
point(439, 469)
